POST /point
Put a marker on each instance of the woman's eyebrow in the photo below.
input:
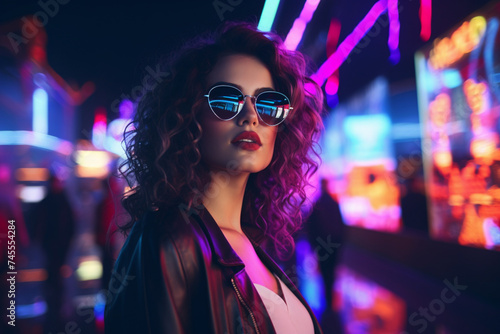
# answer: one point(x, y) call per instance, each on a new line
point(257, 91)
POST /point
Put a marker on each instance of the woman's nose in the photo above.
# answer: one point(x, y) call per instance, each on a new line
point(249, 112)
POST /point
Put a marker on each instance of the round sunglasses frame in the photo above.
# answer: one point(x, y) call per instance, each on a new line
point(254, 102)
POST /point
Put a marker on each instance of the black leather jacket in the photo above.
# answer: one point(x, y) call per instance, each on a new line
point(177, 273)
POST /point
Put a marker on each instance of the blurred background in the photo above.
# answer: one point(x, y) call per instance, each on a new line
point(404, 231)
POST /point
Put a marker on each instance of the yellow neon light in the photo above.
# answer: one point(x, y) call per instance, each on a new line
point(92, 159)
point(89, 270)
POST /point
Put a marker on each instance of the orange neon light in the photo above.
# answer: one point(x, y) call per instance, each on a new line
point(439, 109)
point(472, 228)
point(474, 183)
point(456, 185)
point(91, 172)
point(375, 183)
point(474, 92)
point(32, 174)
point(438, 191)
point(466, 38)
point(494, 191)
point(486, 211)
point(439, 113)
point(443, 161)
point(32, 275)
point(484, 148)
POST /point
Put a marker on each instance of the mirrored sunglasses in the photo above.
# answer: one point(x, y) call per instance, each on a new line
point(227, 101)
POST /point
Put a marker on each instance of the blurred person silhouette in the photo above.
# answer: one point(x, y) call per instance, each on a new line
point(109, 214)
point(414, 206)
point(54, 229)
point(325, 228)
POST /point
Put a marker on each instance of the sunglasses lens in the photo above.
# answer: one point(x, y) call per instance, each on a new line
point(273, 107)
point(225, 101)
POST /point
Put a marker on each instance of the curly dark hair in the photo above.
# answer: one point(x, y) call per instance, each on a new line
point(162, 142)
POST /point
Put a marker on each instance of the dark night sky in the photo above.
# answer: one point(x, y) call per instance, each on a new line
point(111, 43)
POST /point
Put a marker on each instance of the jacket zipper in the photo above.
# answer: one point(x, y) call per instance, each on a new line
point(246, 306)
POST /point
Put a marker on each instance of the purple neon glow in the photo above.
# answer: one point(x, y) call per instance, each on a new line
point(126, 109)
point(294, 36)
point(340, 55)
point(393, 42)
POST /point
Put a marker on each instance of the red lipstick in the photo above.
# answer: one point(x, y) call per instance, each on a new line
point(247, 140)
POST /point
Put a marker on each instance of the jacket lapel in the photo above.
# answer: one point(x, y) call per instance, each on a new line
point(233, 265)
point(227, 257)
point(223, 251)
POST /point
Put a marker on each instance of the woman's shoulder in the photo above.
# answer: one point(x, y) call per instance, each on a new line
point(167, 231)
point(163, 252)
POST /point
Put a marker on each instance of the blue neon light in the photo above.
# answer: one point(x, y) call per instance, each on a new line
point(268, 14)
point(36, 139)
point(451, 78)
point(40, 111)
point(31, 310)
point(367, 136)
point(489, 53)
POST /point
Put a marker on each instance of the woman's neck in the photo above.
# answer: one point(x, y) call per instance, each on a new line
point(223, 198)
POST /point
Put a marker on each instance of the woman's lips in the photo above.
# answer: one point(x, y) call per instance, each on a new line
point(247, 145)
point(247, 140)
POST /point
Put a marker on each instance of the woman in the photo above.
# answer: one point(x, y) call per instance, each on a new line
point(220, 155)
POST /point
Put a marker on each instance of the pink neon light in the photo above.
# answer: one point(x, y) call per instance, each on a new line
point(100, 119)
point(425, 19)
point(332, 85)
point(100, 127)
point(393, 42)
point(340, 55)
point(332, 39)
point(295, 34)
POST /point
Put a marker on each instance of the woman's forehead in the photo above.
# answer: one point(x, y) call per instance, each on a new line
point(244, 71)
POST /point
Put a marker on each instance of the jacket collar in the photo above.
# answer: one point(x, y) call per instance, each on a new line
point(225, 254)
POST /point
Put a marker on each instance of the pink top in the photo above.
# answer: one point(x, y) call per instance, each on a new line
point(289, 316)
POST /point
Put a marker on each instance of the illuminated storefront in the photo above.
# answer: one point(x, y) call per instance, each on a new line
point(458, 100)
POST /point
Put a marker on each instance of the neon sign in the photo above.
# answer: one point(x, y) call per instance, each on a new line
point(459, 94)
point(295, 34)
point(439, 111)
point(466, 38)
